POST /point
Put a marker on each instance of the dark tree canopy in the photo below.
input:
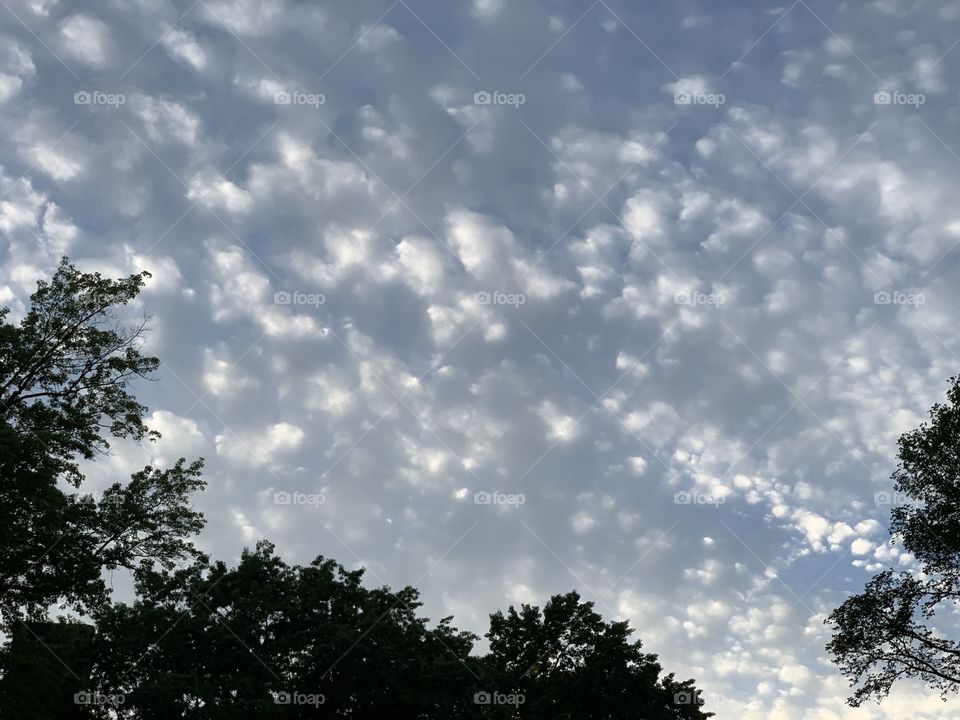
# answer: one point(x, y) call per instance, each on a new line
point(65, 369)
point(45, 666)
point(215, 642)
point(890, 630)
point(569, 663)
point(65, 373)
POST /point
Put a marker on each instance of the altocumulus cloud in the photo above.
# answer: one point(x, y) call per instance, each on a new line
point(676, 274)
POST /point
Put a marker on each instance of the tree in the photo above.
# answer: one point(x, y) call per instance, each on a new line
point(265, 639)
point(567, 662)
point(890, 630)
point(65, 374)
point(213, 642)
point(65, 370)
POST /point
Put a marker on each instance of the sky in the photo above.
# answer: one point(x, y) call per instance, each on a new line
point(501, 300)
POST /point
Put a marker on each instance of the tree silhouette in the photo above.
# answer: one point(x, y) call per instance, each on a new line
point(211, 642)
point(567, 662)
point(889, 631)
point(65, 373)
point(267, 640)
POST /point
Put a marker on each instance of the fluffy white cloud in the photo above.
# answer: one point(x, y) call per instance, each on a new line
point(85, 38)
point(260, 447)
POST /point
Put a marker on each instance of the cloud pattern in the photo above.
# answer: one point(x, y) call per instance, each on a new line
point(502, 299)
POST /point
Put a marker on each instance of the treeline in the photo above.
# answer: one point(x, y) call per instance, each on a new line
point(263, 639)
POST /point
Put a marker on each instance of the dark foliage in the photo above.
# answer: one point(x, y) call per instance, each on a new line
point(890, 631)
point(65, 371)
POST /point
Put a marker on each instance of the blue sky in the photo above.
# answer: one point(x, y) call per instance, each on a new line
point(666, 281)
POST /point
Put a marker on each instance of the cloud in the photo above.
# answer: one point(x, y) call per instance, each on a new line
point(261, 447)
point(600, 298)
point(86, 39)
point(184, 47)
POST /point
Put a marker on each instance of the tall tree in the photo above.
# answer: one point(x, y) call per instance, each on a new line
point(892, 630)
point(567, 662)
point(65, 392)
